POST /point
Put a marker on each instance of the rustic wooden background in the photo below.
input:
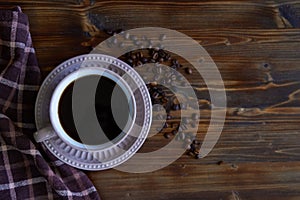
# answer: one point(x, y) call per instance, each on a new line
point(256, 46)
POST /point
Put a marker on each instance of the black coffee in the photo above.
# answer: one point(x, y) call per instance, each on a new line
point(110, 105)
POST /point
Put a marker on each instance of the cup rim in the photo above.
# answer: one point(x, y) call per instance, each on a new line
point(83, 72)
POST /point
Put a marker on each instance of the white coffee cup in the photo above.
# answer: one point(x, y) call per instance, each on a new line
point(56, 128)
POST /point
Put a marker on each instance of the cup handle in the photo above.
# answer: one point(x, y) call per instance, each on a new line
point(44, 134)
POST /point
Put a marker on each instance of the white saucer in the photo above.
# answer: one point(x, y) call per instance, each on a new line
point(116, 154)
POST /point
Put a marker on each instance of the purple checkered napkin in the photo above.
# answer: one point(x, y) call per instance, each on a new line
point(24, 172)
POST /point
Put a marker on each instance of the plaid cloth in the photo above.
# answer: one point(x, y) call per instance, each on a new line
point(24, 172)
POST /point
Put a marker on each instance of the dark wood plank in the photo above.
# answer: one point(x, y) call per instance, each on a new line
point(211, 181)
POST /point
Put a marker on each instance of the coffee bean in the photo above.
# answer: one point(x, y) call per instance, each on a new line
point(144, 60)
point(161, 53)
point(155, 95)
point(153, 83)
point(156, 48)
point(174, 132)
point(133, 56)
point(183, 106)
point(188, 141)
point(220, 162)
point(175, 62)
point(167, 57)
point(167, 135)
point(140, 54)
point(129, 61)
point(176, 107)
point(193, 147)
point(166, 125)
point(187, 147)
point(139, 63)
point(198, 156)
point(155, 56)
point(175, 125)
point(188, 70)
point(173, 77)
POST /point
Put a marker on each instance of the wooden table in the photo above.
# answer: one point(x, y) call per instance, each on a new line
point(256, 46)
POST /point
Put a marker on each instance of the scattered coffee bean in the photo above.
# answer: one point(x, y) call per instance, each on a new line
point(167, 135)
point(156, 48)
point(155, 56)
point(176, 107)
point(198, 156)
point(129, 61)
point(188, 141)
point(161, 53)
point(139, 63)
point(140, 55)
point(133, 56)
point(166, 125)
point(167, 57)
point(187, 146)
point(183, 106)
point(220, 162)
point(144, 60)
point(188, 70)
point(174, 132)
point(175, 125)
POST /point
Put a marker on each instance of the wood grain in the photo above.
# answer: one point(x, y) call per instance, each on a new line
point(256, 48)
